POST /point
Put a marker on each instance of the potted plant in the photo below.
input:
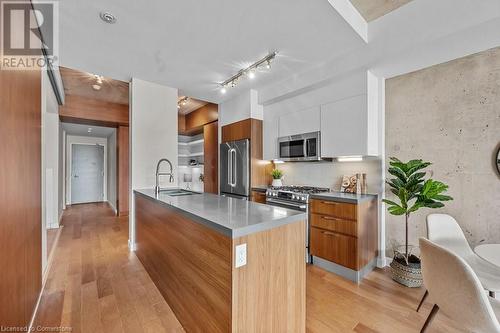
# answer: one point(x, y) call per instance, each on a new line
point(413, 192)
point(277, 175)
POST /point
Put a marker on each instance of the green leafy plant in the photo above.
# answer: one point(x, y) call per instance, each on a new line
point(413, 191)
point(277, 174)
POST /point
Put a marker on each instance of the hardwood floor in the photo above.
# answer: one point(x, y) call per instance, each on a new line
point(97, 285)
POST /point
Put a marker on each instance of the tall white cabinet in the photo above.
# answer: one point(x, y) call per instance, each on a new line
point(347, 128)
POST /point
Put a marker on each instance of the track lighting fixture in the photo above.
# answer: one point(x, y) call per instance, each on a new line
point(183, 101)
point(98, 82)
point(250, 72)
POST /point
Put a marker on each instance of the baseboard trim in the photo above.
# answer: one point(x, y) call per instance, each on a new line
point(355, 276)
point(44, 278)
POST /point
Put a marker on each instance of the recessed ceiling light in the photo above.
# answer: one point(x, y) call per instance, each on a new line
point(107, 17)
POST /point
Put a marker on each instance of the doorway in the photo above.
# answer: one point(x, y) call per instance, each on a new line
point(87, 173)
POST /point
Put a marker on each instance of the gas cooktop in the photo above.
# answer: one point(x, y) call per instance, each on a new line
point(300, 189)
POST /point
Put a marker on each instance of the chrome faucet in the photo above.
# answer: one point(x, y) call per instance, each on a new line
point(158, 174)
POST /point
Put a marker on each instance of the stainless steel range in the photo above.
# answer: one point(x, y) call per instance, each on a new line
point(294, 197)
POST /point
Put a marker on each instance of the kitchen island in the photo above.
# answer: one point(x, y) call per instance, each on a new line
point(224, 264)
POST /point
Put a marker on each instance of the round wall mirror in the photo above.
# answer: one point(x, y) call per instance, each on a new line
point(497, 160)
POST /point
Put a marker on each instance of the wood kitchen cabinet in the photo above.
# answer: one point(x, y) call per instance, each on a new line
point(344, 233)
point(259, 197)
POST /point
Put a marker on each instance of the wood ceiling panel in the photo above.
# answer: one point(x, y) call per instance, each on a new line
point(80, 83)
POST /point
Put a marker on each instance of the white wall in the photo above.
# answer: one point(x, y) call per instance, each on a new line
point(111, 170)
point(85, 140)
point(50, 162)
point(240, 107)
point(61, 203)
point(153, 135)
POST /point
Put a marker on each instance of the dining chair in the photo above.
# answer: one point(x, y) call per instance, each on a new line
point(456, 291)
point(444, 230)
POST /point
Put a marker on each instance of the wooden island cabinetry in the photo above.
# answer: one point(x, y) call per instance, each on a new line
point(189, 246)
point(343, 236)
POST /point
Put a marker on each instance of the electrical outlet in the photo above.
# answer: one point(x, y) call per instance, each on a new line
point(240, 256)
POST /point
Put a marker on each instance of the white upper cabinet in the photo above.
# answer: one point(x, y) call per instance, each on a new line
point(270, 133)
point(348, 129)
point(300, 122)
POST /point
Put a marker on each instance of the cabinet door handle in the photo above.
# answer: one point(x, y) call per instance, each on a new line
point(329, 202)
point(331, 218)
point(328, 233)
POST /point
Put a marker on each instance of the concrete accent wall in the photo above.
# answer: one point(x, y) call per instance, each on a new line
point(449, 114)
point(373, 9)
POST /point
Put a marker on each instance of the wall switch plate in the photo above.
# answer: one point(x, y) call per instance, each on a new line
point(240, 256)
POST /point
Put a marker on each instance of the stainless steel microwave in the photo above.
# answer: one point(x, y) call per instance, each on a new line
point(301, 147)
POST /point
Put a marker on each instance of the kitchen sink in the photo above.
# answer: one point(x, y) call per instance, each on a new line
point(177, 192)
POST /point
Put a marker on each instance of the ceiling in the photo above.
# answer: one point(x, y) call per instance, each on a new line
point(373, 9)
point(191, 105)
point(80, 83)
point(82, 130)
point(192, 45)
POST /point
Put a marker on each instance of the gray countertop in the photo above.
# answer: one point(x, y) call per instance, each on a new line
point(230, 216)
point(344, 197)
point(332, 196)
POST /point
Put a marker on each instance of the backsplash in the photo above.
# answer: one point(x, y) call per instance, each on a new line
point(329, 174)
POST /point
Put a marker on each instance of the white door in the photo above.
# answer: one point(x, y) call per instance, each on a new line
point(87, 173)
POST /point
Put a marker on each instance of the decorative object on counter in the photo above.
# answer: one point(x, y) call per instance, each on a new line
point(413, 192)
point(277, 175)
point(349, 184)
point(364, 186)
point(358, 183)
point(497, 159)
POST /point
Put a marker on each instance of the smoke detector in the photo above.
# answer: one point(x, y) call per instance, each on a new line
point(107, 17)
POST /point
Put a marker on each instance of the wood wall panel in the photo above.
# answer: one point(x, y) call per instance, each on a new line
point(194, 121)
point(269, 292)
point(211, 151)
point(123, 170)
point(20, 195)
point(189, 263)
point(237, 131)
point(79, 109)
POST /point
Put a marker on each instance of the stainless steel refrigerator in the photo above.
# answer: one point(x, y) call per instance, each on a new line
point(235, 168)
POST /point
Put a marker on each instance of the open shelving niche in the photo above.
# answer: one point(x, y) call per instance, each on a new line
point(191, 148)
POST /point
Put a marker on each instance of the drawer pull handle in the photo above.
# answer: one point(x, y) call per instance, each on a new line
point(330, 218)
point(328, 233)
point(329, 202)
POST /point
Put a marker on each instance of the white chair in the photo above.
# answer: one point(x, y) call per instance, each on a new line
point(456, 290)
point(444, 230)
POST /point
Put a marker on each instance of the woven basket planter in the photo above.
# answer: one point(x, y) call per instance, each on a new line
point(409, 276)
